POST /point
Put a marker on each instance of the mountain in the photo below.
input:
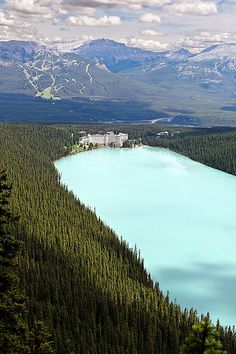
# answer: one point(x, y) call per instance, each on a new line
point(65, 45)
point(178, 55)
point(26, 68)
point(217, 52)
point(217, 59)
point(203, 84)
point(50, 85)
point(197, 88)
point(118, 57)
point(213, 64)
point(223, 57)
point(39, 71)
point(21, 51)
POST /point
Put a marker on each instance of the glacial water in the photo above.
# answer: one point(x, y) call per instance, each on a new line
point(179, 213)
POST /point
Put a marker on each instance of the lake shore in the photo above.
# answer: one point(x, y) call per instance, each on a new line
point(178, 201)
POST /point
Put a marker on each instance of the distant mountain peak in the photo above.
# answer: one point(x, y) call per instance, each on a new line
point(108, 43)
point(183, 51)
point(104, 69)
point(179, 54)
point(105, 41)
point(116, 56)
point(16, 50)
point(209, 49)
point(217, 52)
point(220, 47)
point(16, 44)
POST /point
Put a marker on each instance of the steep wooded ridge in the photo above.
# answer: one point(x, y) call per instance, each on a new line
point(92, 292)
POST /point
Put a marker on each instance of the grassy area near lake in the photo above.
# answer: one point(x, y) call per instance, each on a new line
point(75, 149)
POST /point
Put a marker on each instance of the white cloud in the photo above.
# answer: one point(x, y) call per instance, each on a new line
point(6, 20)
point(89, 11)
point(85, 10)
point(86, 37)
point(109, 3)
point(148, 44)
point(4, 35)
point(93, 21)
point(17, 15)
point(62, 11)
point(152, 33)
point(20, 31)
point(28, 7)
point(194, 8)
point(68, 44)
point(206, 39)
point(150, 18)
point(135, 7)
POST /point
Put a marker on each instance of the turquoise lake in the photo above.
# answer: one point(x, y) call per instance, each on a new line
point(179, 213)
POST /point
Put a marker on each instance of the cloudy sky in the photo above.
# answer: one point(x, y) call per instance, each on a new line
point(150, 24)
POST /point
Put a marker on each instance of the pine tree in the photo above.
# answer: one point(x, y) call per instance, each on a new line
point(13, 326)
point(203, 339)
point(41, 342)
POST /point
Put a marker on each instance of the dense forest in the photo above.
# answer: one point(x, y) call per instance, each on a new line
point(216, 150)
point(80, 280)
point(214, 147)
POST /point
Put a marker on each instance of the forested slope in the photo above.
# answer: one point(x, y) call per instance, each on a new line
point(217, 150)
point(88, 287)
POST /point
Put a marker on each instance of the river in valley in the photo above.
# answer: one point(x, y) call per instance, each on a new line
point(180, 214)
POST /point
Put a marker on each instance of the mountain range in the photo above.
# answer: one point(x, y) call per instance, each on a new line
point(175, 86)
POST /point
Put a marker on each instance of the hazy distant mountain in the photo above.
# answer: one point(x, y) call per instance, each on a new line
point(197, 87)
point(31, 69)
point(178, 55)
point(222, 57)
point(117, 56)
point(120, 58)
point(217, 52)
point(65, 45)
point(17, 50)
point(215, 65)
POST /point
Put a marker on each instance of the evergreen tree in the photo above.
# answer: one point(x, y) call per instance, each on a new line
point(203, 339)
point(87, 286)
point(41, 339)
point(13, 326)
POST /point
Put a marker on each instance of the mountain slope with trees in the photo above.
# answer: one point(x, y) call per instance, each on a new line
point(72, 85)
point(214, 149)
point(87, 286)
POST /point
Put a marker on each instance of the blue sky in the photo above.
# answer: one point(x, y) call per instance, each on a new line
point(150, 24)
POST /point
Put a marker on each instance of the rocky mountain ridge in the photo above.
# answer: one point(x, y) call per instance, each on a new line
point(170, 82)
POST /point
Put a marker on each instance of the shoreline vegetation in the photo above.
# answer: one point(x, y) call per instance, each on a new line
point(165, 144)
point(89, 288)
point(78, 150)
point(215, 147)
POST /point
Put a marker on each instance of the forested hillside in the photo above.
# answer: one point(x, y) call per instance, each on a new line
point(87, 286)
point(217, 150)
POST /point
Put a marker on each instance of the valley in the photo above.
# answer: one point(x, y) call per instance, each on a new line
point(176, 197)
point(103, 71)
point(71, 258)
point(117, 177)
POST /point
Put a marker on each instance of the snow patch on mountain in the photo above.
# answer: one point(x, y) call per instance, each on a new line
point(180, 54)
point(217, 52)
